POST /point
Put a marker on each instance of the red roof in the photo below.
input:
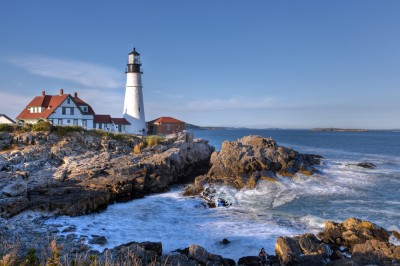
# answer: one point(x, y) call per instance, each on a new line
point(50, 103)
point(102, 119)
point(81, 102)
point(120, 121)
point(167, 119)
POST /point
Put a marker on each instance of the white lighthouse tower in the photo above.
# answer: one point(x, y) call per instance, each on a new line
point(133, 104)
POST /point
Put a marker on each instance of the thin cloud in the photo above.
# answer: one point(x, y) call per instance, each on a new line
point(211, 105)
point(79, 72)
point(168, 95)
point(12, 104)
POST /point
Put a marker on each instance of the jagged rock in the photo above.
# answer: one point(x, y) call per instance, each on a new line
point(83, 172)
point(98, 240)
point(244, 162)
point(302, 250)
point(202, 256)
point(249, 261)
point(376, 250)
point(352, 231)
point(133, 253)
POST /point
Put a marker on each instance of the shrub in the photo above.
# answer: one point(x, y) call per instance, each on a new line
point(54, 259)
point(138, 147)
point(62, 130)
point(152, 141)
point(31, 258)
point(6, 128)
point(119, 136)
point(43, 126)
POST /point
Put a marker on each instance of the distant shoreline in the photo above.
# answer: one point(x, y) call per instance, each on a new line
point(339, 130)
point(328, 129)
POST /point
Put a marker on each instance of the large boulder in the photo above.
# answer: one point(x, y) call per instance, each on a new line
point(242, 163)
point(351, 232)
point(353, 242)
point(302, 250)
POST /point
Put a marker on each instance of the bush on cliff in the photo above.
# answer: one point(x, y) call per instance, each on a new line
point(63, 130)
point(6, 128)
point(152, 141)
point(42, 126)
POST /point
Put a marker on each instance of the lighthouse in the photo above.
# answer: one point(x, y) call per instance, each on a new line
point(133, 104)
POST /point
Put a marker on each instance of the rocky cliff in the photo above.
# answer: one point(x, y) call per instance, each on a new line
point(84, 171)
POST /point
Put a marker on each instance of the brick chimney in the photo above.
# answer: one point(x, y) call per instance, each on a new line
point(43, 93)
point(61, 92)
point(75, 95)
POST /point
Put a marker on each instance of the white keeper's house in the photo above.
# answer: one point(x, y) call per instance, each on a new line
point(65, 109)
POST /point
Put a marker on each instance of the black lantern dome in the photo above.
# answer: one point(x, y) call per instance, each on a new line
point(134, 62)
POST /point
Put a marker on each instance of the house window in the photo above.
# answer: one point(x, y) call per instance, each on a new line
point(168, 127)
point(100, 125)
point(64, 110)
point(72, 111)
point(84, 123)
point(75, 122)
point(60, 121)
point(68, 100)
point(84, 108)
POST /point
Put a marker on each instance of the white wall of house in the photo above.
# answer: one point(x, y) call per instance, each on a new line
point(4, 120)
point(68, 114)
point(104, 126)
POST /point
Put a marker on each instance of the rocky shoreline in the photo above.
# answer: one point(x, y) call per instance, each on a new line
point(43, 174)
point(84, 172)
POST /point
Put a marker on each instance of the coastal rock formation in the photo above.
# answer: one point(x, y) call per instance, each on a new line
point(244, 162)
point(353, 242)
point(83, 172)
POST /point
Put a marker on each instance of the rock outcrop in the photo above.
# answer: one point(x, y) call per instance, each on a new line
point(244, 162)
point(83, 172)
point(353, 242)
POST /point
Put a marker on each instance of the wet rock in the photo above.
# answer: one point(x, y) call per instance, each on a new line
point(396, 235)
point(225, 242)
point(98, 240)
point(366, 165)
point(69, 229)
point(191, 190)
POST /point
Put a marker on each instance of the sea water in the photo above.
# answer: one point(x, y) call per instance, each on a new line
point(257, 217)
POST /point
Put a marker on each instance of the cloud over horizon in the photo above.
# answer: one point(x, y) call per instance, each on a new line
point(79, 72)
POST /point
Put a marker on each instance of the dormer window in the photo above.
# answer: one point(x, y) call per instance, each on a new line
point(34, 109)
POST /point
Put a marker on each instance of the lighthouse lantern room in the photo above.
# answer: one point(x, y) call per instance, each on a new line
point(133, 104)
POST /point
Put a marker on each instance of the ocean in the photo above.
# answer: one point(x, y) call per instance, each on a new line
point(257, 217)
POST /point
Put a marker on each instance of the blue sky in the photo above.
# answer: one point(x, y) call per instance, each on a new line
point(288, 64)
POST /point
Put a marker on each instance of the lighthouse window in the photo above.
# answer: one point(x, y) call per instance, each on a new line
point(139, 109)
